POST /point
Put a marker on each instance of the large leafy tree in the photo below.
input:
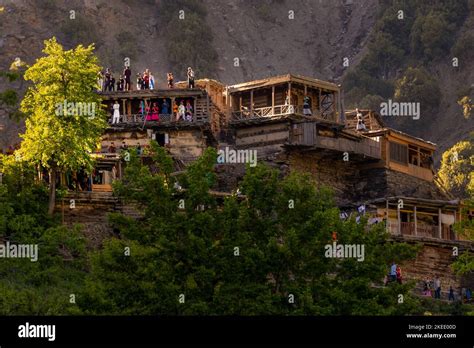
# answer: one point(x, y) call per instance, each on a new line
point(59, 138)
point(44, 286)
point(262, 252)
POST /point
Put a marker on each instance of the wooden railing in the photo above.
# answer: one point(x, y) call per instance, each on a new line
point(422, 230)
point(277, 110)
point(140, 118)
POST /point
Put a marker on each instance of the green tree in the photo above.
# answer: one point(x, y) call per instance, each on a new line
point(417, 85)
point(59, 138)
point(245, 255)
point(457, 169)
point(43, 286)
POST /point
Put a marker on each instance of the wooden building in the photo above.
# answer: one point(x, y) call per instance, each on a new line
point(185, 137)
point(400, 152)
point(283, 95)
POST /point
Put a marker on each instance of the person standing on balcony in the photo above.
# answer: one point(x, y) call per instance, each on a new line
point(139, 82)
point(127, 73)
point(165, 107)
point(116, 115)
point(146, 79)
point(155, 114)
point(181, 111)
point(107, 76)
point(189, 111)
point(170, 79)
point(152, 81)
point(360, 121)
point(100, 81)
point(190, 78)
point(175, 109)
point(307, 106)
point(120, 84)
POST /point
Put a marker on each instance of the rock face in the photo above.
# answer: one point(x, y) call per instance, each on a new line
point(382, 182)
point(435, 259)
point(263, 35)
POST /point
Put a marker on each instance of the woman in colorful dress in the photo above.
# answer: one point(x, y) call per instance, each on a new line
point(155, 115)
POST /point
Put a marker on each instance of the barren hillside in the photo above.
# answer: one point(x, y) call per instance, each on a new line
point(308, 37)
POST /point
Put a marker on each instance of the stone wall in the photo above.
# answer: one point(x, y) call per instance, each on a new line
point(327, 170)
point(435, 259)
point(382, 182)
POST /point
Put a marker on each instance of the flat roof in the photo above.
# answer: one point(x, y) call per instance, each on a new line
point(270, 81)
point(425, 201)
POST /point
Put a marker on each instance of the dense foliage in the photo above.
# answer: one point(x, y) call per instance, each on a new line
point(247, 255)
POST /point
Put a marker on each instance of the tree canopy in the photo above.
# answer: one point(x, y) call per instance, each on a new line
point(64, 115)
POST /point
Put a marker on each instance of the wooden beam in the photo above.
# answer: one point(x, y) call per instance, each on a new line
point(251, 102)
point(414, 214)
point(123, 109)
point(439, 224)
point(399, 227)
point(319, 102)
point(273, 100)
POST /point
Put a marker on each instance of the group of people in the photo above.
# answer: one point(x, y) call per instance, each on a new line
point(395, 274)
point(151, 111)
point(108, 83)
point(123, 148)
point(432, 288)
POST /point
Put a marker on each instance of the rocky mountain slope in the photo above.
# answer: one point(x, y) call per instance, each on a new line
point(268, 37)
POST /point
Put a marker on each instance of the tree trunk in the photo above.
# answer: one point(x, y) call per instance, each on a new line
point(52, 191)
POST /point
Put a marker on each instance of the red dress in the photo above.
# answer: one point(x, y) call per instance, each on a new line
point(155, 115)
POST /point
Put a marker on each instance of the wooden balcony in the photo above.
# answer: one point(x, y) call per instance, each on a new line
point(421, 230)
point(305, 134)
point(140, 119)
point(276, 111)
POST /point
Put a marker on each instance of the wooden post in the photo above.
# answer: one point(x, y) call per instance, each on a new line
point(194, 110)
point(439, 224)
point(273, 100)
point(319, 103)
point(419, 156)
point(123, 110)
point(386, 216)
point(251, 102)
point(414, 215)
point(399, 228)
point(305, 90)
